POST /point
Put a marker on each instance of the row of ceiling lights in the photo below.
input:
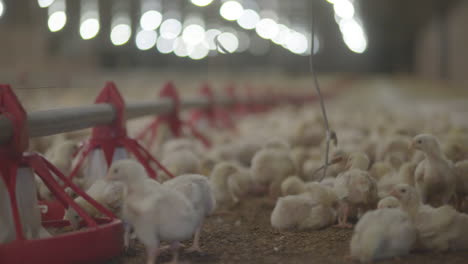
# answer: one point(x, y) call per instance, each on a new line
point(195, 39)
point(350, 26)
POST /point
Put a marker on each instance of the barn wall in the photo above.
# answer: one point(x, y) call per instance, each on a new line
point(428, 46)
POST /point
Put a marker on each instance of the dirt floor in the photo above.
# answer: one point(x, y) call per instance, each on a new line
point(244, 235)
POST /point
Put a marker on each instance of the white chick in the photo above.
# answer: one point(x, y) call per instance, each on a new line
point(219, 181)
point(292, 185)
point(434, 176)
point(311, 170)
point(240, 184)
point(301, 212)
point(388, 202)
point(394, 150)
point(156, 212)
point(382, 234)
point(179, 162)
point(406, 172)
point(270, 166)
point(380, 169)
point(245, 151)
point(181, 144)
point(107, 193)
point(439, 229)
point(197, 190)
point(229, 183)
point(322, 193)
point(355, 188)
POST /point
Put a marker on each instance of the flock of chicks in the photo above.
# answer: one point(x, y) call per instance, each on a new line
point(407, 191)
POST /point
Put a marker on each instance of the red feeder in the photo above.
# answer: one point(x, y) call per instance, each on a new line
point(171, 119)
point(102, 240)
point(207, 114)
point(224, 114)
point(109, 138)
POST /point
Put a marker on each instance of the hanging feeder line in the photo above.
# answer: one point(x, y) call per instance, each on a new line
point(56, 249)
point(330, 134)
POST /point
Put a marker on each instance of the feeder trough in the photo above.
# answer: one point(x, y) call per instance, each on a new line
point(23, 237)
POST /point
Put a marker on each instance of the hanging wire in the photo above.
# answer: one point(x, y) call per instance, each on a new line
point(329, 133)
point(220, 45)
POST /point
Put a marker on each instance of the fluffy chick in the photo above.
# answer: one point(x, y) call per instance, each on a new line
point(197, 190)
point(355, 188)
point(270, 166)
point(292, 185)
point(229, 182)
point(439, 229)
point(301, 212)
point(434, 176)
point(388, 202)
point(180, 162)
point(156, 212)
point(382, 234)
point(109, 194)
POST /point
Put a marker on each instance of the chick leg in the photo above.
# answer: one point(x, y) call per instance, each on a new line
point(175, 252)
point(343, 216)
point(152, 255)
point(196, 241)
point(127, 229)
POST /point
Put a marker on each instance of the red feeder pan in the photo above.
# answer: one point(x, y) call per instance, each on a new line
point(108, 138)
point(102, 239)
point(171, 119)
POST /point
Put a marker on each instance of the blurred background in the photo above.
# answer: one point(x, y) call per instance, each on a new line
point(72, 43)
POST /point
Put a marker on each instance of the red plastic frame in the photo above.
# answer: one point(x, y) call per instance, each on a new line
point(66, 248)
point(110, 137)
point(172, 119)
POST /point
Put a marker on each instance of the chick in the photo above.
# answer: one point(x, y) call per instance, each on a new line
point(355, 188)
point(394, 150)
point(292, 185)
point(434, 176)
point(270, 166)
point(240, 184)
point(156, 212)
point(407, 171)
point(301, 212)
point(197, 190)
point(382, 234)
point(439, 229)
point(380, 169)
point(179, 162)
point(456, 146)
point(219, 181)
point(388, 202)
point(181, 144)
point(245, 151)
point(62, 156)
point(109, 194)
point(322, 193)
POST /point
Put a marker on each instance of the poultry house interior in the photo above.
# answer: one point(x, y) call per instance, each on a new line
point(233, 131)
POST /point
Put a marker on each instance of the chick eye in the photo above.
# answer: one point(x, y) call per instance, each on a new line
point(419, 141)
point(403, 191)
point(116, 170)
